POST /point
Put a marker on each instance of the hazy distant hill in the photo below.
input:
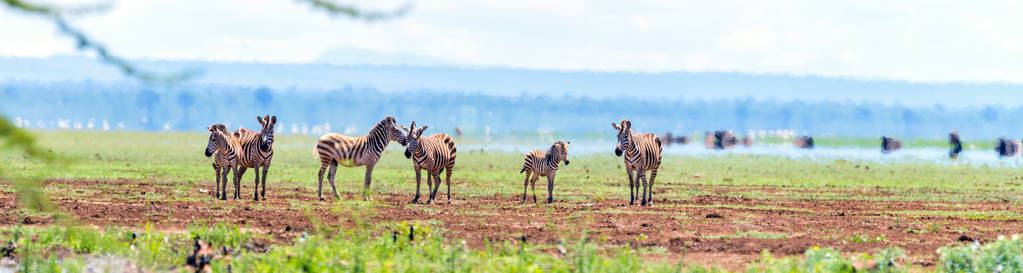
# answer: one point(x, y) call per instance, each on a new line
point(515, 82)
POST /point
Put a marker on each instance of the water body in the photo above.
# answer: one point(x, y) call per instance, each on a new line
point(931, 155)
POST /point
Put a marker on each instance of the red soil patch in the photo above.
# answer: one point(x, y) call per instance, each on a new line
point(699, 226)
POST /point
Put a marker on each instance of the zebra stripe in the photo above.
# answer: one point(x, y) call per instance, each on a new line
point(223, 147)
point(434, 154)
point(334, 149)
point(257, 151)
point(539, 164)
point(642, 153)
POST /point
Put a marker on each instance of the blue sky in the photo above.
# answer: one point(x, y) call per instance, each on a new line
point(919, 41)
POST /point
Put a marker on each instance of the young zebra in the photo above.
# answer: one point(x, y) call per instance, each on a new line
point(224, 145)
point(257, 151)
point(540, 164)
point(642, 153)
point(334, 148)
point(435, 154)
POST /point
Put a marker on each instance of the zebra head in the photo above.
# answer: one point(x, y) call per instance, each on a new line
point(215, 135)
point(560, 149)
point(624, 136)
point(412, 139)
point(394, 134)
point(266, 139)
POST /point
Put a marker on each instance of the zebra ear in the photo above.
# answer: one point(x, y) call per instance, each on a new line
point(404, 128)
point(421, 129)
point(209, 128)
point(626, 124)
point(567, 144)
point(273, 120)
point(260, 119)
point(615, 125)
point(413, 126)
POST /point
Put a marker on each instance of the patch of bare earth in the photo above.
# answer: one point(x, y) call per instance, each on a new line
point(711, 230)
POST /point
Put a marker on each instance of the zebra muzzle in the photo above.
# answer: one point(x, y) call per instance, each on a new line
point(618, 152)
point(566, 162)
point(408, 154)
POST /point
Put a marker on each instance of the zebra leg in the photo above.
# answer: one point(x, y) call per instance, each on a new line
point(436, 186)
point(525, 186)
point(653, 174)
point(330, 178)
point(448, 172)
point(323, 169)
point(223, 181)
point(532, 184)
point(632, 194)
point(365, 184)
point(642, 177)
point(217, 170)
point(255, 189)
point(550, 188)
point(262, 191)
point(238, 175)
point(419, 181)
point(429, 188)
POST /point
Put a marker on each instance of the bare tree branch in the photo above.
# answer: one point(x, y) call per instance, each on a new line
point(352, 12)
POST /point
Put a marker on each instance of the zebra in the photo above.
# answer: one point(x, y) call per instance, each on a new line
point(333, 149)
point(540, 164)
point(435, 154)
point(257, 151)
point(225, 146)
point(642, 153)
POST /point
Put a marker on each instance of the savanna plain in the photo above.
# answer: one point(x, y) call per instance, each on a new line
point(136, 201)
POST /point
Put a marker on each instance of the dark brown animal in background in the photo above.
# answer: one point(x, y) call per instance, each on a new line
point(708, 140)
point(724, 140)
point(200, 258)
point(1008, 147)
point(670, 139)
point(458, 132)
point(890, 144)
point(957, 146)
point(805, 142)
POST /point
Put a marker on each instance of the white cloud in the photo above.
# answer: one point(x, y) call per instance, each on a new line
point(910, 40)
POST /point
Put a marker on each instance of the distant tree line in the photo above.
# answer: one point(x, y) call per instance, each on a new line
point(191, 107)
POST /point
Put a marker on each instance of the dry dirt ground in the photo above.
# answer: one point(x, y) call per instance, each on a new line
point(712, 230)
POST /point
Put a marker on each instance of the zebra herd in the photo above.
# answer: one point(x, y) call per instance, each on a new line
point(435, 154)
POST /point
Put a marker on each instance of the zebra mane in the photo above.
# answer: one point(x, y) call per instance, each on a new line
point(381, 126)
point(554, 149)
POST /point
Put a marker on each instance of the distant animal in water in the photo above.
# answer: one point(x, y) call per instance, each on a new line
point(257, 151)
point(434, 154)
point(747, 141)
point(642, 153)
point(1008, 147)
point(957, 146)
point(890, 144)
point(708, 140)
point(539, 163)
point(226, 149)
point(458, 132)
point(805, 142)
point(719, 140)
point(333, 149)
point(670, 139)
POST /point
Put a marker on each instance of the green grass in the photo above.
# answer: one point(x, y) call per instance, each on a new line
point(176, 159)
